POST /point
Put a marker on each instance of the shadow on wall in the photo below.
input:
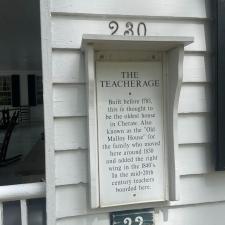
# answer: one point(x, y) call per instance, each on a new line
point(36, 212)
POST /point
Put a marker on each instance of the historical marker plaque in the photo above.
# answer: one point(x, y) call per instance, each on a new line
point(130, 132)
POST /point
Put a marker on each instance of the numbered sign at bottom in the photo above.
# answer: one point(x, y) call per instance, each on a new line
point(132, 217)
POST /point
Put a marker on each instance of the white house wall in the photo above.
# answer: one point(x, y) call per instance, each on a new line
point(201, 189)
point(206, 214)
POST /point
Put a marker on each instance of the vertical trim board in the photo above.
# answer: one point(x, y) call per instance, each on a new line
point(1, 213)
point(48, 111)
point(24, 213)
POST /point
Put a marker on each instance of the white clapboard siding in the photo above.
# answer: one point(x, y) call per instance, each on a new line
point(194, 128)
point(204, 214)
point(202, 188)
point(70, 19)
point(71, 200)
point(194, 189)
point(71, 167)
point(195, 159)
point(68, 67)
point(196, 68)
point(169, 8)
point(97, 219)
point(195, 98)
point(71, 133)
point(67, 32)
point(69, 99)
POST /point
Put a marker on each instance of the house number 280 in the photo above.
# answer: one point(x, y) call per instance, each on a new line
point(138, 219)
point(130, 29)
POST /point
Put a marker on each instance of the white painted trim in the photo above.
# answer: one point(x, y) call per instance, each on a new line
point(190, 9)
point(22, 191)
point(173, 49)
point(1, 213)
point(144, 43)
point(48, 111)
point(165, 137)
point(175, 77)
point(24, 213)
point(92, 126)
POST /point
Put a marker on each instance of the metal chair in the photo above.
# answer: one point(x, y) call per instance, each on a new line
point(4, 145)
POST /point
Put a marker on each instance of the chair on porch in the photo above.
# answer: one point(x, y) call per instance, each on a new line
point(4, 145)
point(5, 118)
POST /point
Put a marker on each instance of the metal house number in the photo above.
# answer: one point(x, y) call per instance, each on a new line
point(128, 221)
point(132, 217)
point(131, 29)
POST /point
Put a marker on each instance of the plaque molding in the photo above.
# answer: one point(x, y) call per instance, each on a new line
point(170, 50)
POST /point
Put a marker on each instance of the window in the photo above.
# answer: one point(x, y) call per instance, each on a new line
point(39, 90)
point(5, 90)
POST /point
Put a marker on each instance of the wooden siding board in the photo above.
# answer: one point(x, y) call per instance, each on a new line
point(204, 214)
point(195, 98)
point(195, 159)
point(169, 8)
point(98, 219)
point(194, 128)
point(71, 200)
point(211, 190)
point(186, 215)
point(197, 68)
point(67, 32)
point(69, 99)
point(70, 133)
point(202, 188)
point(68, 66)
point(48, 110)
point(71, 167)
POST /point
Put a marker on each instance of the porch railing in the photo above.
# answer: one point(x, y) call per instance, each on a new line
point(22, 193)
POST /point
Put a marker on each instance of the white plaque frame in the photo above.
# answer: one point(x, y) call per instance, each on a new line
point(172, 50)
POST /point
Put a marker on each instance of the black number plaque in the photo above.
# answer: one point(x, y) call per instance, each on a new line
point(132, 217)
